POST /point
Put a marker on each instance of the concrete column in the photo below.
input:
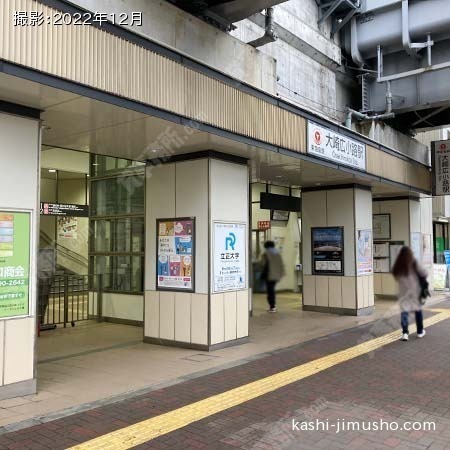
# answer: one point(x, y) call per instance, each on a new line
point(350, 292)
point(211, 190)
point(411, 221)
point(19, 188)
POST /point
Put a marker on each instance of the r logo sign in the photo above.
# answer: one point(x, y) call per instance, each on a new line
point(230, 241)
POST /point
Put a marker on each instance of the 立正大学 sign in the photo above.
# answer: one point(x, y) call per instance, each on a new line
point(336, 147)
point(14, 263)
point(230, 256)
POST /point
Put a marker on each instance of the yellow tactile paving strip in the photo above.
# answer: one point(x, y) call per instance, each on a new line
point(147, 430)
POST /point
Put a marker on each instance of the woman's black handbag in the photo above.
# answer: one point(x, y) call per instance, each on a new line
point(424, 288)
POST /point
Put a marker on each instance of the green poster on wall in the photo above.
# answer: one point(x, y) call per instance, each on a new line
point(14, 263)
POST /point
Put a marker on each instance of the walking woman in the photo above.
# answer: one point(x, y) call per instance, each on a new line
point(406, 271)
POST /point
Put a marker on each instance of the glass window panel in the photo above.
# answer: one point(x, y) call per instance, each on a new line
point(137, 274)
point(107, 165)
point(101, 235)
point(122, 235)
point(121, 273)
point(138, 195)
point(137, 235)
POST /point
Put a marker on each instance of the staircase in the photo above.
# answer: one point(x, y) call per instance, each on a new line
point(67, 262)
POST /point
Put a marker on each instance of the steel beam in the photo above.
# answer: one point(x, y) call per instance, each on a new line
point(413, 73)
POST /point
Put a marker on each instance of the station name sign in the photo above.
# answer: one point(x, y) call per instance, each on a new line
point(64, 209)
point(440, 159)
point(336, 147)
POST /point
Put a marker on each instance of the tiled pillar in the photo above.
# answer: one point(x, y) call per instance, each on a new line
point(332, 283)
point(213, 191)
point(19, 185)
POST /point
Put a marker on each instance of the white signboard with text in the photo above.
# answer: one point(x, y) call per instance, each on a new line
point(336, 147)
point(229, 256)
point(440, 165)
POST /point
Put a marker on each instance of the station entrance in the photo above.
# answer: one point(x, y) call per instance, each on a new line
point(91, 252)
point(123, 171)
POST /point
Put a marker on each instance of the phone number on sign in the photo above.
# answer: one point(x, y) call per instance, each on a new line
point(37, 18)
point(4, 283)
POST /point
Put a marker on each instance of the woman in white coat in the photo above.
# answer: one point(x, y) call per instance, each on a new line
point(406, 271)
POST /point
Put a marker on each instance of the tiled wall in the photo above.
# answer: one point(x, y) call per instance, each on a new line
point(350, 208)
point(209, 190)
point(18, 190)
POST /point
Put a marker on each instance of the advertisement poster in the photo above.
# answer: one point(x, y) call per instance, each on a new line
point(364, 252)
point(14, 263)
point(67, 227)
point(427, 250)
point(381, 227)
point(175, 254)
point(416, 239)
point(337, 147)
point(327, 250)
point(230, 257)
point(439, 276)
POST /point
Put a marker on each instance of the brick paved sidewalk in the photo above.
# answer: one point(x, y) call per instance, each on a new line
point(401, 381)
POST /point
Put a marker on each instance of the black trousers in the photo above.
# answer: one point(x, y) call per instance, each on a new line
point(271, 293)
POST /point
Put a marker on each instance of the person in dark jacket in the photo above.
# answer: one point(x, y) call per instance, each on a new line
point(273, 271)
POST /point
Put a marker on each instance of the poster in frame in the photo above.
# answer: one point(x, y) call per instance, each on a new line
point(327, 250)
point(381, 227)
point(175, 254)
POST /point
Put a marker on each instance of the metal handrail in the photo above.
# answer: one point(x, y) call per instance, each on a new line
point(64, 250)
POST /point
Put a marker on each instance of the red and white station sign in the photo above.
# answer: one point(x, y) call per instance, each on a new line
point(440, 165)
point(336, 147)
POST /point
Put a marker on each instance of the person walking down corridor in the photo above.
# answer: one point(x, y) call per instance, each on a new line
point(273, 271)
point(408, 274)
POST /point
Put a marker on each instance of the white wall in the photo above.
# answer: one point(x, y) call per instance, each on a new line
point(19, 188)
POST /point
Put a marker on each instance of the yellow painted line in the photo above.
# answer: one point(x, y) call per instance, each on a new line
point(149, 429)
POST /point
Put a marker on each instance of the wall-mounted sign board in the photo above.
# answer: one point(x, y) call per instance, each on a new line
point(14, 263)
point(229, 256)
point(175, 255)
point(327, 250)
point(339, 148)
point(64, 209)
point(381, 225)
